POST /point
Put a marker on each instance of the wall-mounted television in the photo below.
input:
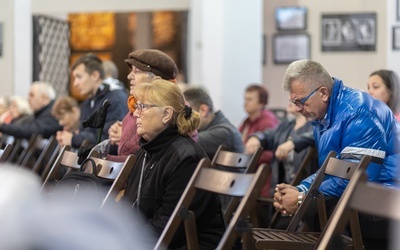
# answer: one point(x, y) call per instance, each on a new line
point(291, 18)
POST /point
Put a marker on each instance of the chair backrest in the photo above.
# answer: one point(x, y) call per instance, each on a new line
point(341, 168)
point(66, 158)
point(20, 147)
point(117, 172)
point(5, 152)
point(360, 196)
point(243, 162)
point(46, 149)
point(280, 113)
point(244, 185)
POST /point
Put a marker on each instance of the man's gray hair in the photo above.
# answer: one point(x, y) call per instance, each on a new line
point(46, 89)
point(307, 71)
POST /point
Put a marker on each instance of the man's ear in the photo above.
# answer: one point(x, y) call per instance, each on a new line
point(167, 115)
point(95, 74)
point(325, 94)
point(203, 110)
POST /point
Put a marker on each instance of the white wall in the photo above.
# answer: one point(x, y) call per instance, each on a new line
point(352, 67)
point(393, 56)
point(6, 60)
point(225, 51)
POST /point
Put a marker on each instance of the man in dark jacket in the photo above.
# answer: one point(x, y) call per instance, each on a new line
point(41, 100)
point(89, 74)
point(215, 129)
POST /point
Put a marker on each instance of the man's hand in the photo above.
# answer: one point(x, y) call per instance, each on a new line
point(283, 150)
point(285, 198)
point(252, 144)
point(114, 132)
point(64, 138)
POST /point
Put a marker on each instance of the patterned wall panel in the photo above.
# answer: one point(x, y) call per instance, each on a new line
point(51, 52)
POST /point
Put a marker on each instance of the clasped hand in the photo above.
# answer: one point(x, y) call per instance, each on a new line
point(285, 198)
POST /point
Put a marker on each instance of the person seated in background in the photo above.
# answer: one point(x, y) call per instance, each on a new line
point(41, 100)
point(215, 129)
point(259, 119)
point(165, 163)
point(88, 73)
point(111, 75)
point(351, 123)
point(21, 112)
point(67, 111)
point(146, 65)
point(284, 169)
point(5, 116)
point(384, 85)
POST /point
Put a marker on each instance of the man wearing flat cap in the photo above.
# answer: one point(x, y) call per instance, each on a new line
point(146, 65)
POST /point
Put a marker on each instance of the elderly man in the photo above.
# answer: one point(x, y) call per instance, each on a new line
point(41, 100)
point(349, 122)
point(146, 65)
point(88, 75)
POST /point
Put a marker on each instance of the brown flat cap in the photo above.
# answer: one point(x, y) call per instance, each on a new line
point(155, 61)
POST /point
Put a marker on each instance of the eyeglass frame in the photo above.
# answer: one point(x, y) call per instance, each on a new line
point(300, 103)
point(141, 107)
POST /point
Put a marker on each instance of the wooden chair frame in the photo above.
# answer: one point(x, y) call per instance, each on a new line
point(357, 198)
point(247, 186)
point(292, 239)
point(5, 152)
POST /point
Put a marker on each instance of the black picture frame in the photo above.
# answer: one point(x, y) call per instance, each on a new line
point(291, 18)
point(396, 37)
point(398, 10)
point(348, 32)
point(289, 47)
point(1, 39)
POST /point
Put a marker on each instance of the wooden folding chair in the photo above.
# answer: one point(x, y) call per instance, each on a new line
point(360, 196)
point(20, 147)
point(39, 153)
point(236, 162)
point(5, 152)
point(117, 172)
point(65, 159)
point(246, 186)
point(292, 239)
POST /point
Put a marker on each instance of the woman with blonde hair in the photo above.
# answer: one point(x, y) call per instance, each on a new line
point(166, 160)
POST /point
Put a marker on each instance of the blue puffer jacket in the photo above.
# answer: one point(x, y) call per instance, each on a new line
point(357, 124)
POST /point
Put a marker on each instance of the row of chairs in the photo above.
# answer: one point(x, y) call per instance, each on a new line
point(37, 153)
point(244, 188)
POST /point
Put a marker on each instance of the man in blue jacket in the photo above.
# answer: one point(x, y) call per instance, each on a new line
point(347, 121)
point(88, 73)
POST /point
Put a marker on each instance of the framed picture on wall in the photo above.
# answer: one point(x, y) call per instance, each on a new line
point(1, 39)
point(291, 18)
point(396, 38)
point(398, 10)
point(349, 32)
point(291, 47)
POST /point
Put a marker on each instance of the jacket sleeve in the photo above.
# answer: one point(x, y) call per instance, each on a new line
point(303, 141)
point(360, 134)
point(45, 126)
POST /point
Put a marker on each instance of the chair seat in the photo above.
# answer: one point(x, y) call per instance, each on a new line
point(273, 239)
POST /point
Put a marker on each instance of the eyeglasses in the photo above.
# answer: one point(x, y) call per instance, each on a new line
point(141, 107)
point(300, 103)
